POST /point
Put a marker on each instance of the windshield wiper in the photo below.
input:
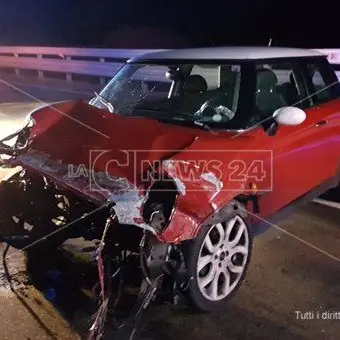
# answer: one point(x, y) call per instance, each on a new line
point(202, 125)
point(104, 101)
point(165, 117)
point(191, 119)
point(188, 121)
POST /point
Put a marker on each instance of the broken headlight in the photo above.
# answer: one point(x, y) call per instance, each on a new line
point(18, 140)
point(29, 121)
point(24, 133)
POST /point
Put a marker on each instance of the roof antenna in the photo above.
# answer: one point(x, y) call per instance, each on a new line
point(270, 42)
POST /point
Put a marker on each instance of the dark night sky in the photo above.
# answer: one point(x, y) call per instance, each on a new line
point(238, 22)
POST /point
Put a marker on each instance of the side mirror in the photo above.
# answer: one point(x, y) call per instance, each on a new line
point(290, 116)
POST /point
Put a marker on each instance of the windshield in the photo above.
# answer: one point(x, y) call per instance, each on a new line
point(179, 93)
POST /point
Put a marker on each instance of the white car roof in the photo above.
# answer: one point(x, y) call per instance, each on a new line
point(227, 53)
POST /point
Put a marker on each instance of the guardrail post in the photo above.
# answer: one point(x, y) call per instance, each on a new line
point(40, 72)
point(102, 79)
point(17, 71)
point(68, 75)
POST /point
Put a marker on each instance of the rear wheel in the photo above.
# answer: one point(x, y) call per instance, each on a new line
point(216, 262)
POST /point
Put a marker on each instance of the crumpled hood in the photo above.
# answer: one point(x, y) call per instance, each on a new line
point(77, 137)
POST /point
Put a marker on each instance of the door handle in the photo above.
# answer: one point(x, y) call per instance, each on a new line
point(321, 123)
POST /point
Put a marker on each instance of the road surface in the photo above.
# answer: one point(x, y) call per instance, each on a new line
point(290, 274)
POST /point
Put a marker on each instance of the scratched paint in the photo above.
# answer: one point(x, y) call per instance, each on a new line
point(212, 179)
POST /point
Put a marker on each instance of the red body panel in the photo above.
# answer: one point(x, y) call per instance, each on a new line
point(74, 137)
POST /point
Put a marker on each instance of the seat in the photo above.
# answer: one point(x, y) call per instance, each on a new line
point(267, 97)
point(289, 91)
point(195, 84)
point(194, 94)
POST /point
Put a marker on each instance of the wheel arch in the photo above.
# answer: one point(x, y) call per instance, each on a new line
point(234, 207)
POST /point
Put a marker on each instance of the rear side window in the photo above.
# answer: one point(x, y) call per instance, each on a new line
point(322, 82)
point(277, 85)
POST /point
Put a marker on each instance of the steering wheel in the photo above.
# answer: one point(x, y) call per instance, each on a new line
point(214, 113)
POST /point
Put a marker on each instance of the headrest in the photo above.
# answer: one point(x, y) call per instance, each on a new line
point(195, 84)
point(265, 79)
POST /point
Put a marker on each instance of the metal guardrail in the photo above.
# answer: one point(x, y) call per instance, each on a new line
point(101, 63)
point(64, 52)
point(82, 61)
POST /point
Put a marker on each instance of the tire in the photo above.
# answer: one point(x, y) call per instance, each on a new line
point(211, 259)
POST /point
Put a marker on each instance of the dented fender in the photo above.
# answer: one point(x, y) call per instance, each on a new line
point(201, 201)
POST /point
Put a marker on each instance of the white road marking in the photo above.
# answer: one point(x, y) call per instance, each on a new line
point(331, 204)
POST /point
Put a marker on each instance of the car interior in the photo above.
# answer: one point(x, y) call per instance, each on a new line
point(271, 93)
point(268, 98)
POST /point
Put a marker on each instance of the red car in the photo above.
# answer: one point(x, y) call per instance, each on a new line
point(185, 154)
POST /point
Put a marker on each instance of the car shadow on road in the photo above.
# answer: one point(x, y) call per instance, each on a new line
point(64, 281)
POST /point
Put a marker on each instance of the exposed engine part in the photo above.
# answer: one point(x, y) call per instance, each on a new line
point(161, 202)
point(30, 208)
point(97, 329)
point(34, 211)
point(153, 257)
point(156, 264)
point(38, 211)
point(157, 220)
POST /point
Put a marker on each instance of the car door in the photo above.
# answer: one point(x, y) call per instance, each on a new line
point(299, 152)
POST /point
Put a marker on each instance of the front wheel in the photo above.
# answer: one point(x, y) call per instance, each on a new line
point(216, 262)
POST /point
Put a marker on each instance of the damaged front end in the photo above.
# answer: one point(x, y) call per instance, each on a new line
point(42, 205)
point(70, 182)
point(36, 215)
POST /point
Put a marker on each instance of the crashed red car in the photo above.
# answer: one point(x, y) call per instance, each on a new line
point(187, 151)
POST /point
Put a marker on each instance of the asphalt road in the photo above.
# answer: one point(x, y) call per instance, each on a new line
point(289, 273)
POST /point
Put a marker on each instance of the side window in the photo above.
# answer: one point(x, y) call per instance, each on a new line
point(321, 81)
point(277, 85)
point(210, 89)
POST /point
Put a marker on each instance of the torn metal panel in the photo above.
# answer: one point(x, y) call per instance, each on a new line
point(128, 208)
point(97, 185)
point(180, 186)
point(182, 227)
point(211, 178)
